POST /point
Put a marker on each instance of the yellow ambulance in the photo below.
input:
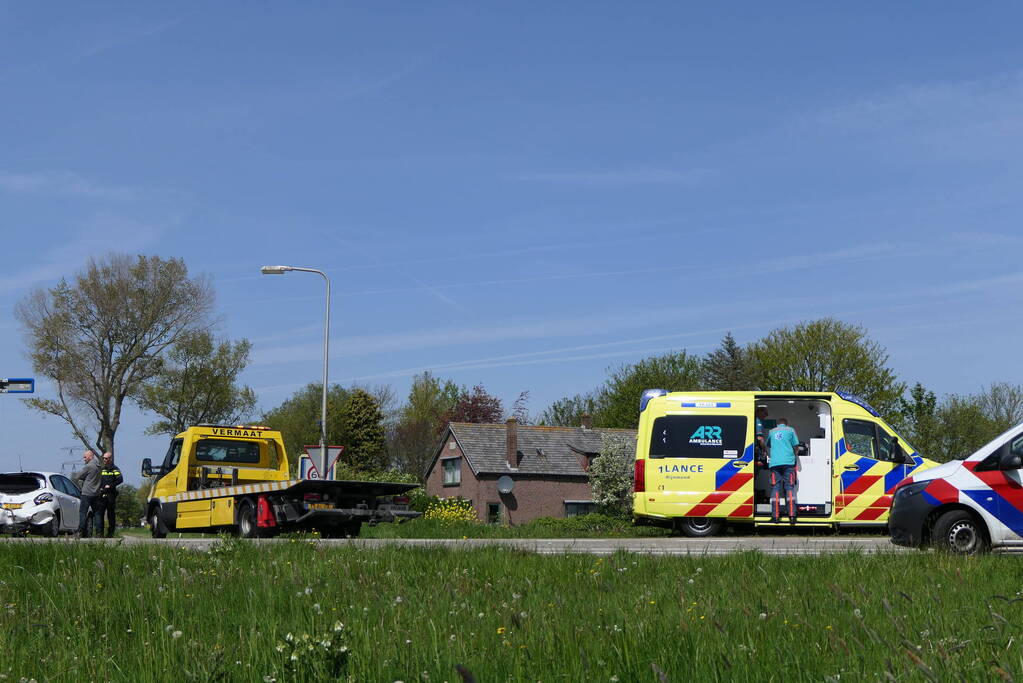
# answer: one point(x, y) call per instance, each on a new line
point(696, 468)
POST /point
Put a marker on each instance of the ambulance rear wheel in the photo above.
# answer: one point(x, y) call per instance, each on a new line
point(699, 527)
point(959, 532)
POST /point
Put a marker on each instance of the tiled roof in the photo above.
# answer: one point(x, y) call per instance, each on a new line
point(544, 450)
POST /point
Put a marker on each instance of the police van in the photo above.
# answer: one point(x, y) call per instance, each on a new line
point(696, 468)
point(965, 506)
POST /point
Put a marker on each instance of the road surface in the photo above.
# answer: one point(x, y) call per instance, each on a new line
point(770, 545)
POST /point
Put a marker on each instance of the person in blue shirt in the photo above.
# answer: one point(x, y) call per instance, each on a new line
point(781, 448)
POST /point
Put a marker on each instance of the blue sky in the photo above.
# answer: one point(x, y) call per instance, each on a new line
point(522, 194)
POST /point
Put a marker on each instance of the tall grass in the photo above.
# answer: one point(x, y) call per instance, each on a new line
point(297, 611)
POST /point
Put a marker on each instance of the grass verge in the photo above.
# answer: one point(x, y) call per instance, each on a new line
point(295, 611)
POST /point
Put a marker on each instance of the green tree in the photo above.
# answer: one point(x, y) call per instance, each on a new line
point(918, 422)
point(415, 437)
point(826, 355)
point(611, 475)
point(101, 337)
point(1002, 403)
point(963, 427)
point(197, 384)
point(729, 368)
point(569, 411)
point(129, 510)
point(298, 419)
point(618, 399)
point(363, 432)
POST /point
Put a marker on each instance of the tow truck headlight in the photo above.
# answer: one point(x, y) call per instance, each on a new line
point(911, 489)
point(43, 498)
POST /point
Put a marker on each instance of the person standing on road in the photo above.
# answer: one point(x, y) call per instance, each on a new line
point(110, 479)
point(87, 480)
point(781, 443)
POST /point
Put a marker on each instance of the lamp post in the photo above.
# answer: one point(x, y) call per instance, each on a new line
point(280, 270)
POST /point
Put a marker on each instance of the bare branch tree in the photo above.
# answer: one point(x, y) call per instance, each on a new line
point(101, 337)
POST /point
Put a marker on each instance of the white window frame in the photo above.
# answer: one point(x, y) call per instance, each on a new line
point(452, 476)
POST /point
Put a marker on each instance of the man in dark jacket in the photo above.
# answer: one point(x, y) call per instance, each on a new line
point(87, 480)
point(110, 479)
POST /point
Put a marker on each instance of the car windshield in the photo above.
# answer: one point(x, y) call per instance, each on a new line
point(13, 484)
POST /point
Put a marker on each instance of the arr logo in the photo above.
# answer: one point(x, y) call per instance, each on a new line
point(707, 432)
point(706, 435)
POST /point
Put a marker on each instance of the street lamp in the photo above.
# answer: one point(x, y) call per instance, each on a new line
point(280, 270)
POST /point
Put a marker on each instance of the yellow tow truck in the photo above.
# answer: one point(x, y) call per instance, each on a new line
point(237, 479)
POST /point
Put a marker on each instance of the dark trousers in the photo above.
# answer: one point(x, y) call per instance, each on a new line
point(106, 505)
point(86, 504)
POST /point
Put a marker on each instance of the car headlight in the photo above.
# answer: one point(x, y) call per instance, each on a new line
point(43, 498)
point(911, 489)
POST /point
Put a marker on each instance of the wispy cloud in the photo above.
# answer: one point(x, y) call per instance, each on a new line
point(101, 234)
point(974, 119)
point(63, 184)
point(637, 176)
point(783, 264)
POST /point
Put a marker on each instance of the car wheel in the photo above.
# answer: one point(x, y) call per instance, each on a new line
point(247, 527)
point(53, 528)
point(960, 533)
point(156, 525)
point(699, 527)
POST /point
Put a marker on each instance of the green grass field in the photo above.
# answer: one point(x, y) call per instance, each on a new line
point(296, 611)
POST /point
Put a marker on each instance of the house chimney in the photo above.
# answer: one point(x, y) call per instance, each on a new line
point(511, 430)
point(586, 421)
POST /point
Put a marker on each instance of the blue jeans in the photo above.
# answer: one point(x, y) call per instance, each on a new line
point(783, 478)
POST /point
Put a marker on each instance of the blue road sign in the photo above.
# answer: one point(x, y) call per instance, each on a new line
point(17, 385)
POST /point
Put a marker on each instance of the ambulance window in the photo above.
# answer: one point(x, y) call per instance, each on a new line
point(860, 438)
point(888, 446)
point(698, 436)
point(222, 450)
point(1017, 446)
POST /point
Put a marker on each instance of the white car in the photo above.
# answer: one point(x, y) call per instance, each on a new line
point(41, 502)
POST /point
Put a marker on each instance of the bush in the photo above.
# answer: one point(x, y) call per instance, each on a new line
point(455, 510)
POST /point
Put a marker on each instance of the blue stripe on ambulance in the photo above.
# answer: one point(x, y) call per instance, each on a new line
point(898, 473)
point(999, 508)
point(839, 448)
point(849, 477)
point(728, 470)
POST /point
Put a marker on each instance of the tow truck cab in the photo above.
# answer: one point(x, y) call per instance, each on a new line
point(237, 478)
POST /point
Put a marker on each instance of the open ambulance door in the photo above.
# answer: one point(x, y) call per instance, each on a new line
point(700, 465)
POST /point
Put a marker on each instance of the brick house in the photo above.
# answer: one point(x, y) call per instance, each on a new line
point(547, 465)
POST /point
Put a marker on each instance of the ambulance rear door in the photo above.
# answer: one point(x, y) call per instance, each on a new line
point(701, 459)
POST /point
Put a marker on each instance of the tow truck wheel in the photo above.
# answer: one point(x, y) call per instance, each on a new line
point(247, 527)
point(699, 527)
point(958, 532)
point(156, 525)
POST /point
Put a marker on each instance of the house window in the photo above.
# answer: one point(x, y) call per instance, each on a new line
point(451, 445)
point(493, 513)
point(452, 471)
point(575, 508)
